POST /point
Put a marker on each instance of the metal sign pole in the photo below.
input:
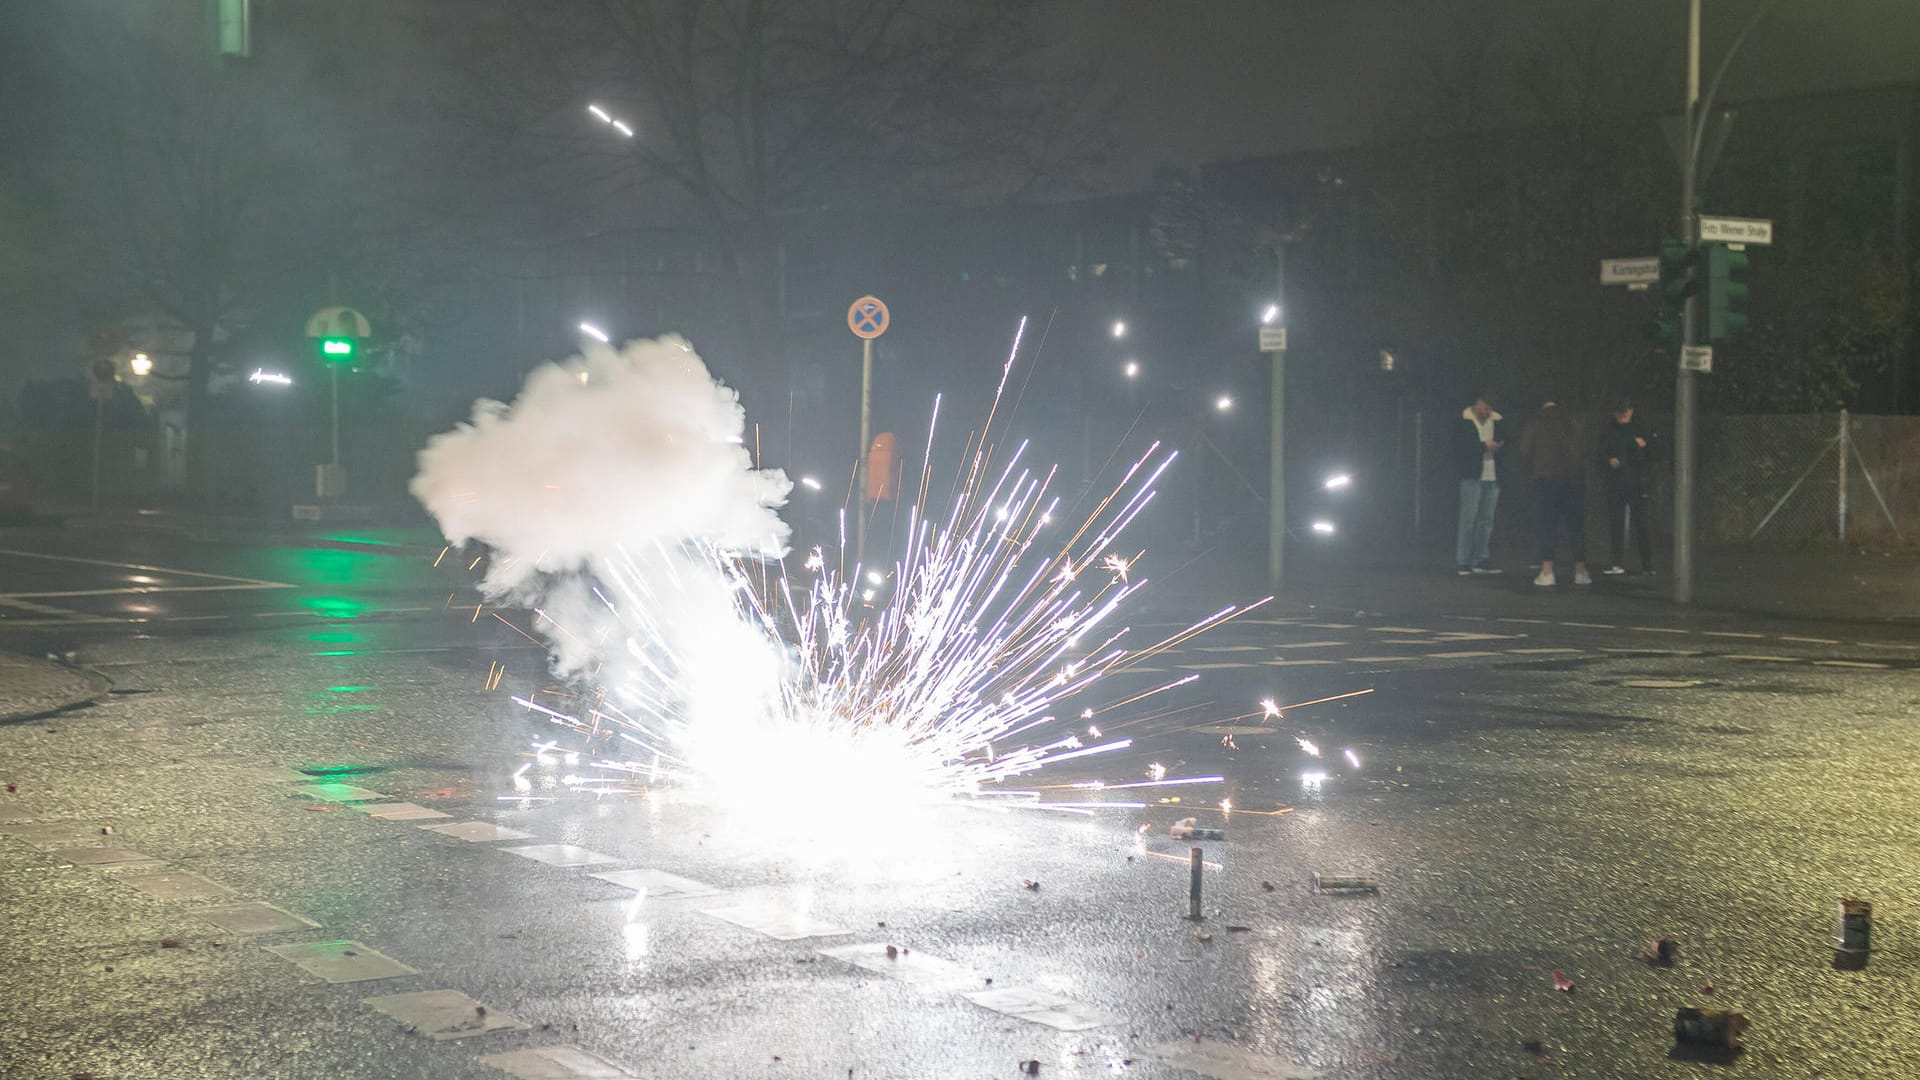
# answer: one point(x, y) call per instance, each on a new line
point(1277, 445)
point(1686, 382)
point(860, 469)
point(99, 423)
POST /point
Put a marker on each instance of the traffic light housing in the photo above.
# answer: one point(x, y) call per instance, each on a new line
point(336, 350)
point(1724, 295)
point(1679, 279)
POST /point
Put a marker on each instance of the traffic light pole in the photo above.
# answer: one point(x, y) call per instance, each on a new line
point(1685, 403)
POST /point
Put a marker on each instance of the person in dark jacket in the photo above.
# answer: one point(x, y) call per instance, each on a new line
point(1622, 455)
point(1479, 444)
point(1557, 480)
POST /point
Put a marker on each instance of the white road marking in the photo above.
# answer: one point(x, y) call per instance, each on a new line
point(177, 885)
point(1293, 663)
point(1657, 630)
point(1541, 652)
point(476, 832)
point(563, 1061)
point(339, 792)
point(1398, 630)
point(1811, 640)
point(444, 1014)
point(775, 920)
point(1312, 645)
point(1329, 625)
point(1653, 652)
point(1207, 667)
point(341, 961)
point(1851, 664)
point(146, 568)
point(1378, 659)
point(1591, 625)
point(1459, 655)
point(657, 884)
point(563, 855)
point(1761, 658)
point(1042, 1007)
point(254, 917)
point(921, 971)
point(400, 811)
point(1529, 622)
point(1730, 634)
point(142, 590)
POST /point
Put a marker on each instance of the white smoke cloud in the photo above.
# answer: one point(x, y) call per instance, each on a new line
point(615, 478)
point(636, 447)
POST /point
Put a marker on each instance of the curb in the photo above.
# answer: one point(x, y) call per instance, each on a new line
point(37, 688)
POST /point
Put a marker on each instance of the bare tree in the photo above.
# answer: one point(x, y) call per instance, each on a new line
point(747, 114)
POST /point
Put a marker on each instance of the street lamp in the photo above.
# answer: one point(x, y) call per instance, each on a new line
point(1271, 315)
point(1119, 329)
point(1131, 369)
point(810, 483)
point(141, 364)
point(595, 332)
point(611, 121)
point(1223, 403)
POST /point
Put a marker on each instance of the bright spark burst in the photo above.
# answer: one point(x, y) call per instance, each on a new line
point(968, 675)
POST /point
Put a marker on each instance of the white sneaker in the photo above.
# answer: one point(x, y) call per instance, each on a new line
point(1544, 579)
point(1581, 577)
point(1612, 570)
point(1487, 570)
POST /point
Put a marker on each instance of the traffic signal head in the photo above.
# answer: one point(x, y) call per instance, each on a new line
point(1679, 272)
point(336, 350)
point(1725, 296)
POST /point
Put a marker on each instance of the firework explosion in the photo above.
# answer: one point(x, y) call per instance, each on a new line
point(625, 511)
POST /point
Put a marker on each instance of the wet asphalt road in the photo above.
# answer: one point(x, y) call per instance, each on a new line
point(1534, 797)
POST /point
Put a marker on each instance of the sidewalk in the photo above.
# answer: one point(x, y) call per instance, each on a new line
point(30, 687)
point(1815, 586)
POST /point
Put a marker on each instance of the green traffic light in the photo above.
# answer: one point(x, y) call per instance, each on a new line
point(1725, 295)
point(337, 350)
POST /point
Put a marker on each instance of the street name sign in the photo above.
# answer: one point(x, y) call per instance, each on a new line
point(1273, 339)
point(1736, 230)
point(1638, 271)
point(1698, 358)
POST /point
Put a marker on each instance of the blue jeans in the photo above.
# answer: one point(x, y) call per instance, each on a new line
point(1473, 542)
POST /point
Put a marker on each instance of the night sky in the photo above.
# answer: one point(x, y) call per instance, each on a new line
point(1241, 78)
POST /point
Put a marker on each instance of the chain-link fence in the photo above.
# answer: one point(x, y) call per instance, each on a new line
point(1774, 481)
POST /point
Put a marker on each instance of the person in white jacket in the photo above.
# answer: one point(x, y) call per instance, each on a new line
point(1479, 444)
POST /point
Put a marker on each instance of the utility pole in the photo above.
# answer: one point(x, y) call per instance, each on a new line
point(1276, 440)
point(1685, 387)
point(1685, 402)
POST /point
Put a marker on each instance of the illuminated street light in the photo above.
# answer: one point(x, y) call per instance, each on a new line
point(608, 119)
point(595, 332)
point(1223, 403)
point(1132, 369)
point(1338, 481)
point(1324, 528)
point(141, 364)
point(874, 578)
point(1271, 315)
point(810, 483)
point(1119, 329)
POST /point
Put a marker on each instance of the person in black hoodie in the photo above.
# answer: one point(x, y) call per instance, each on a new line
point(1622, 455)
point(1479, 444)
point(1557, 472)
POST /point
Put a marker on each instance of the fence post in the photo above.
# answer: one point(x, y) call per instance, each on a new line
point(1843, 477)
point(1419, 443)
